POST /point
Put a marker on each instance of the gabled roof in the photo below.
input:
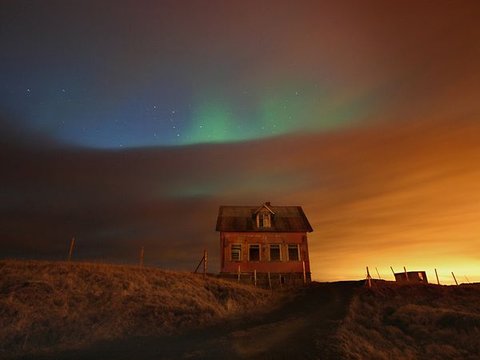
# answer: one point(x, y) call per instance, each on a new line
point(242, 219)
point(266, 206)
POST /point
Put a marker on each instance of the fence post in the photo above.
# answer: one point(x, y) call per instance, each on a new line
point(25, 341)
point(304, 273)
point(369, 278)
point(142, 254)
point(406, 274)
point(200, 263)
point(255, 277)
point(238, 274)
point(454, 278)
point(436, 274)
point(269, 280)
point(379, 277)
point(205, 262)
point(393, 272)
point(72, 245)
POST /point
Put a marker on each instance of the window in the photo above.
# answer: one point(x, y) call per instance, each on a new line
point(275, 252)
point(236, 253)
point(254, 253)
point(263, 220)
point(293, 254)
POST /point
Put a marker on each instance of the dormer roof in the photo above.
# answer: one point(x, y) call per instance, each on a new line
point(265, 206)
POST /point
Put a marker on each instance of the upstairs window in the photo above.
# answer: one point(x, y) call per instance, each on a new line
point(275, 252)
point(293, 253)
point(264, 220)
point(236, 252)
point(254, 253)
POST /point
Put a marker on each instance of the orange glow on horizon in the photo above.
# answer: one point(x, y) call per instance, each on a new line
point(416, 203)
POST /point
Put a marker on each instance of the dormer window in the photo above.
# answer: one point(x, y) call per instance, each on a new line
point(264, 216)
point(264, 220)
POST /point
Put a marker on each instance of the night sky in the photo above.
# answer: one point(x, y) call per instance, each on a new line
point(128, 123)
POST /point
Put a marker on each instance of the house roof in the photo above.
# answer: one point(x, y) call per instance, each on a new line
point(242, 219)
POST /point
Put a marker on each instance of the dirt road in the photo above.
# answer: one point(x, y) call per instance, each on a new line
point(300, 329)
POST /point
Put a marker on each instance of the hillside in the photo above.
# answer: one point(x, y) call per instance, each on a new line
point(96, 311)
point(412, 322)
point(51, 306)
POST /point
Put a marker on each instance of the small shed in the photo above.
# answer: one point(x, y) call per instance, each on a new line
point(412, 276)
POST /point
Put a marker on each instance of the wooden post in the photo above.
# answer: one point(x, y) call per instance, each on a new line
point(205, 262)
point(393, 272)
point(466, 278)
point(406, 274)
point(255, 277)
point(369, 278)
point(304, 273)
point(200, 263)
point(454, 278)
point(378, 273)
point(280, 280)
point(142, 254)
point(436, 274)
point(72, 245)
point(25, 341)
point(238, 274)
point(269, 280)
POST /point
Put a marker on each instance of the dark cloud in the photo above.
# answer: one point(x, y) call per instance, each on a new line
point(377, 194)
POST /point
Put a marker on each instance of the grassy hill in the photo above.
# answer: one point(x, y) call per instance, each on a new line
point(412, 322)
point(54, 310)
point(53, 305)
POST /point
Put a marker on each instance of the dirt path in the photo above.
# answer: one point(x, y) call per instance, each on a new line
point(300, 329)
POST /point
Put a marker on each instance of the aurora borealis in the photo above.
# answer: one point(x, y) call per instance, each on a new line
point(94, 74)
point(128, 123)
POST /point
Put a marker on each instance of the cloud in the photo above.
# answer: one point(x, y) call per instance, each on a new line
point(384, 195)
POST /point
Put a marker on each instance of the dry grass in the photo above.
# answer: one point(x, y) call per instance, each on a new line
point(51, 306)
point(413, 322)
point(46, 306)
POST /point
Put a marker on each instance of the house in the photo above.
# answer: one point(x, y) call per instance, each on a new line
point(264, 242)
